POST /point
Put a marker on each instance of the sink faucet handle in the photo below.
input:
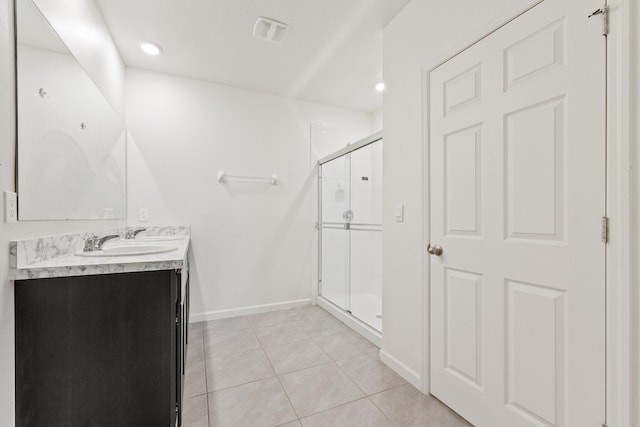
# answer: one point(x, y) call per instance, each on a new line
point(94, 243)
point(133, 232)
point(90, 242)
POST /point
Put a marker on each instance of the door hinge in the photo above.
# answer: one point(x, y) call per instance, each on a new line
point(177, 408)
point(605, 229)
point(177, 320)
point(604, 11)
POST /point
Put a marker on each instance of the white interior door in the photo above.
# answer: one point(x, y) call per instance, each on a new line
point(517, 173)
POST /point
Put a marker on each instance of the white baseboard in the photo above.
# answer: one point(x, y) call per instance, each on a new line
point(243, 311)
point(411, 376)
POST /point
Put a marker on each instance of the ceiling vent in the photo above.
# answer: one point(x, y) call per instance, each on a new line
point(270, 30)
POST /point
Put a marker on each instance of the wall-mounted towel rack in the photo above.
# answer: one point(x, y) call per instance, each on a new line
point(223, 177)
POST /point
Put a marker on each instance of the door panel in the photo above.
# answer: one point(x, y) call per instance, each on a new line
point(517, 192)
point(462, 89)
point(463, 182)
point(536, 351)
point(535, 54)
point(534, 142)
point(463, 326)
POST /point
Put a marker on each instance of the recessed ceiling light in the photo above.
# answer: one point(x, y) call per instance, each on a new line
point(380, 87)
point(150, 48)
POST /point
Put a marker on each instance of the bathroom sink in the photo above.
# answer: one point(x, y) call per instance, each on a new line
point(157, 238)
point(128, 250)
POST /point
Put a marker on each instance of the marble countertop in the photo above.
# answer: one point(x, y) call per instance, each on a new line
point(55, 256)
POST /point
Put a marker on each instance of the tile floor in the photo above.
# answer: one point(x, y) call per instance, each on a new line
point(297, 367)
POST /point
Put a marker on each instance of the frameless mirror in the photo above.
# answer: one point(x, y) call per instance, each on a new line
point(71, 142)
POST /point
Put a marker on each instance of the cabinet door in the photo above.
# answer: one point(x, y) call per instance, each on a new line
point(96, 350)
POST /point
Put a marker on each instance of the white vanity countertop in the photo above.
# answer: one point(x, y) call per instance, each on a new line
point(56, 256)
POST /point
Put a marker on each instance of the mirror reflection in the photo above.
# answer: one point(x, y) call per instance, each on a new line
point(71, 143)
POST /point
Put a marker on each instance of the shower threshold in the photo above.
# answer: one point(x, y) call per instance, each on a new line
point(366, 331)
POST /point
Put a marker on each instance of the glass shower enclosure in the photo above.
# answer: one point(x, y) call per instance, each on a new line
point(350, 230)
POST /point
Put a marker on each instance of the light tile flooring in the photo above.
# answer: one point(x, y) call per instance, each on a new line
point(297, 367)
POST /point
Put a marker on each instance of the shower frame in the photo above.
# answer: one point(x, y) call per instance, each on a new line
point(364, 329)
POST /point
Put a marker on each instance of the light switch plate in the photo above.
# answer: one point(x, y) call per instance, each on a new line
point(10, 206)
point(398, 211)
point(143, 215)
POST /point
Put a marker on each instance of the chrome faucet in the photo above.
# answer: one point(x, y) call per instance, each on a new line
point(94, 243)
point(133, 232)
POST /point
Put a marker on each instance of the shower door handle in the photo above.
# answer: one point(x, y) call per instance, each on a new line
point(434, 250)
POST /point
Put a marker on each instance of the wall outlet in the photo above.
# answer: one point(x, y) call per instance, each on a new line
point(10, 206)
point(143, 215)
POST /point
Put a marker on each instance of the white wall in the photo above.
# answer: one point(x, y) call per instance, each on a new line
point(21, 230)
point(251, 243)
point(412, 41)
point(377, 120)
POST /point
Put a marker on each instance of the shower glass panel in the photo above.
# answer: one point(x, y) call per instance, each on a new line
point(336, 203)
point(351, 232)
point(335, 267)
point(366, 235)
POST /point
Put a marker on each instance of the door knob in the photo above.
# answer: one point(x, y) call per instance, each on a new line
point(434, 250)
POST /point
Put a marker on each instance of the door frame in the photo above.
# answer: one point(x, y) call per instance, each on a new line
point(622, 327)
point(621, 331)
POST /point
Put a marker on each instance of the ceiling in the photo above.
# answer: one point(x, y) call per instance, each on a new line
point(331, 55)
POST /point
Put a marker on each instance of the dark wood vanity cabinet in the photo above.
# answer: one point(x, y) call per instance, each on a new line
point(101, 350)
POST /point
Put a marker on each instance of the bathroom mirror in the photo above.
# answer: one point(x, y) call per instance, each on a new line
point(71, 142)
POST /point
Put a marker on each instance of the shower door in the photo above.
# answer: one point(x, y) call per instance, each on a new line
point(350, 227)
